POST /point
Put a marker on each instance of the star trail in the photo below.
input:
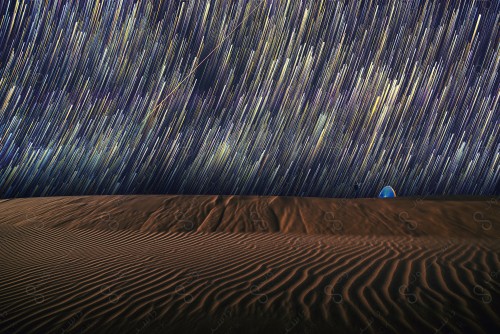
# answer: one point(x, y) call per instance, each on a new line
point(304, 98)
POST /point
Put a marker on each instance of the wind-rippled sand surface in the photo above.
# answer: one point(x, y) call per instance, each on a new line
point(228, 264)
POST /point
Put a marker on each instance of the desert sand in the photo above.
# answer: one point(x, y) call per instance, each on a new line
point(243, 264)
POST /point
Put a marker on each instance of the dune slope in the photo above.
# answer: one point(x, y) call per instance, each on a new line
point(469, 217)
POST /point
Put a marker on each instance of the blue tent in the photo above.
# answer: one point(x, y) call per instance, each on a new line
point(387, 192)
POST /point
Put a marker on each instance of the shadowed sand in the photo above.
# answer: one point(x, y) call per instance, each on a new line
point(153, 264)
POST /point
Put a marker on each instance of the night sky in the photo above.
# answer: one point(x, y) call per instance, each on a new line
point(304, 98)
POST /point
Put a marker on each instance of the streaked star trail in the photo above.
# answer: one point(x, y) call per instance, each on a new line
point(268, 97)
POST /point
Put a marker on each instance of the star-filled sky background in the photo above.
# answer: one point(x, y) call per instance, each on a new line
point(267, 97)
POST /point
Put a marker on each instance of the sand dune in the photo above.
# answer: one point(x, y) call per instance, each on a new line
point(477, 217)
point(78, 274)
